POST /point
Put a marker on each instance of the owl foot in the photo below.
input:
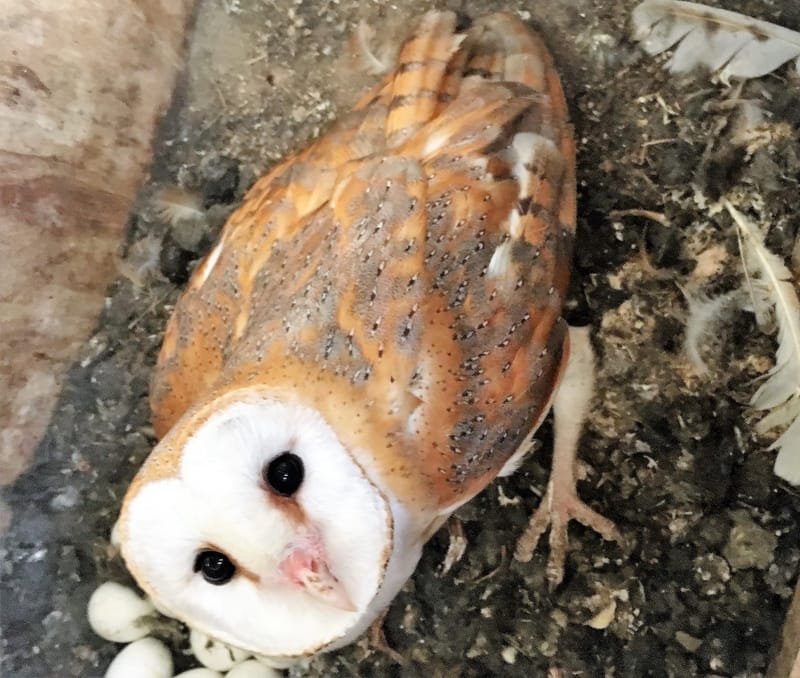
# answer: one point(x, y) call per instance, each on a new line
point(560, 505)
point(561, 502)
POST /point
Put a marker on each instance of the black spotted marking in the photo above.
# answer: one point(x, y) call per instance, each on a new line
point(479, 72)
point(403, 100)
point(463, 21)
point(524, 205)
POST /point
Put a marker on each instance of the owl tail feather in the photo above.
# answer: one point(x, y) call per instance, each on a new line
point(436, 59)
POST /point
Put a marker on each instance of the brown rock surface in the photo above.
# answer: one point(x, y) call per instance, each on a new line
point(81, 92)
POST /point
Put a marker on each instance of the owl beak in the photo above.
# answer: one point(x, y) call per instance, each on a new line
point(305, 566)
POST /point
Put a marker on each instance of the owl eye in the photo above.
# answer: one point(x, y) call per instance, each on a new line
point(216, 567)
point(284, 474)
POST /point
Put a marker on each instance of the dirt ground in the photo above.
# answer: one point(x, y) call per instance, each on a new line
point(671, 455)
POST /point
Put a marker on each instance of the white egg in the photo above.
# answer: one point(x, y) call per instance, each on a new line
point(118, 614)
point(145, 658)
point(199, 673)
point(279, 662)
point(214, 653)
point(252, 669)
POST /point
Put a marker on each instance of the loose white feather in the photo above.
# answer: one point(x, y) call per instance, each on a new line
point(375, 62)
point(735, 45)
point(780, 393)
point(174, 205)
point(141, 263)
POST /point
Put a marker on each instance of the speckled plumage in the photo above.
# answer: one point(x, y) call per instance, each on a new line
point(386, 307)
point(397, 274)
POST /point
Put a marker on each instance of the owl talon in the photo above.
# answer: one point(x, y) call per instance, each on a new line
point(559, 506)
point(377, 640)
point(456, 547)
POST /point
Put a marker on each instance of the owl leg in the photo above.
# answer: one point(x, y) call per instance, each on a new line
point(561, 502)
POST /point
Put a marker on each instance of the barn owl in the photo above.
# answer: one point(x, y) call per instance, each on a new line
point(372, 341)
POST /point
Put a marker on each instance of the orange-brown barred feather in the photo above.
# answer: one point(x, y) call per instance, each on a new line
point(408, 270)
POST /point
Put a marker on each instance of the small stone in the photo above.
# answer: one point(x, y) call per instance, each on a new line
point(749, 544)
point(780, 575)
point(559, 617)
point(712, 573)
point(66, 499)
point(688, 641)
point(479, 646)
point(509, 654)
point(299, 113)
point(604, 617)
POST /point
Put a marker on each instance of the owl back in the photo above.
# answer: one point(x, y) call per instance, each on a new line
point(405, 274)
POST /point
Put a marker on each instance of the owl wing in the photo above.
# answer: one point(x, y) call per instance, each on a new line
point(409, 269)
point(209, 316)
point(202, 329)
point(499, 160)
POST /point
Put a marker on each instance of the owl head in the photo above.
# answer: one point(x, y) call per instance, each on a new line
point(253, 522)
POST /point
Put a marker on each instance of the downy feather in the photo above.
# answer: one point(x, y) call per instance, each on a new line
point(780, 393)
point(706, 314)
point(174, 205)
point(733, 44)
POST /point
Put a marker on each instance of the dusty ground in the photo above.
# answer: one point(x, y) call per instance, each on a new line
point(671, 455)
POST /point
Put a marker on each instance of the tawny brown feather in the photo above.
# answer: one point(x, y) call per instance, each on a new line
point(405, 274)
